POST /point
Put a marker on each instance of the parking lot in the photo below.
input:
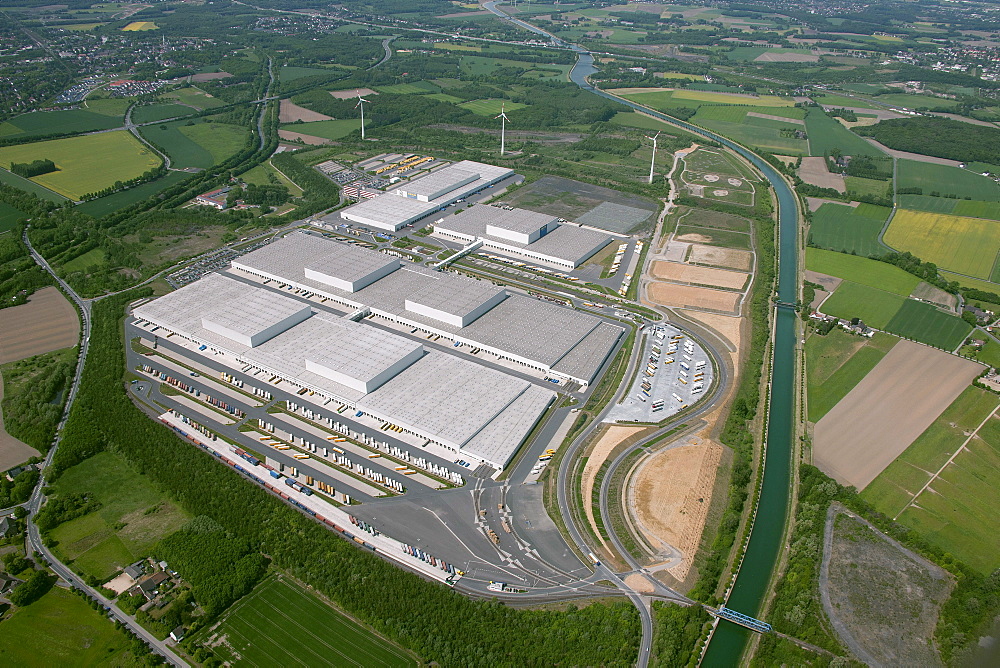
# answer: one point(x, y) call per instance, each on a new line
point(679, 375)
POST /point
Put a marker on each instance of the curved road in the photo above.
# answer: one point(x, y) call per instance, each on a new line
point(37, 499)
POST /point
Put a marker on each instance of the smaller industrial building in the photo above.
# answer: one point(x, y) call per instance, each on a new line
point(414, 200)
point(536, 237)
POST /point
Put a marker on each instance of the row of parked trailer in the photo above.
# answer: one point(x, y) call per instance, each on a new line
point(181, 385)
point(430, 559)
point(619, 254)
point(391, 450)
point(236, 382)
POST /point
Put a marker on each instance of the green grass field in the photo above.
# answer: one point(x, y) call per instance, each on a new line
point(260, 175)
point(415, 88)
point(491, 107)
point(87, 163)
point(952, 513)
point(57, 122)
point(108, 106)
point(9, 217)
point(843, 228)
point(116, 201)
point(763, 133)
point(444, 97)
point(853, 300)
point(827, 134)
point(858, 187)
point(946, 180)
point(197, 145)
point(158, 112)
point(280, 624)
point(195, 97)
point(842, 101)
point(97, 547)
point(861, 270)
point(326, 129)
point(717, 237)
point(835, 363)
point(91, 258)
point(288, 73)
point(965, 245)
point(672, 99)
point(60, 629)
point(30, 186)
point(923, 322)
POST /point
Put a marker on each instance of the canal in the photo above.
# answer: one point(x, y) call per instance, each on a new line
point(762, 551)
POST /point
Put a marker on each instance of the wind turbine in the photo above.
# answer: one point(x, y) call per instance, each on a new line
point(361, 103)
point(652, 163)
point(503, 128)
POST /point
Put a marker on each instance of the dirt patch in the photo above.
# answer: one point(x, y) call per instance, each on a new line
point(671, 494)
point(829, 283)
point(12, 451)
point(730, 258)
point(695, 238)
point(816, 202)
point(772, 57)
point(312, 140)
point(688, 273)
point(818, 299)
point(727, 326)
point(936, 296)
point(675, 251)
point(814, 171)
point(639, 584)
point(291, 112)
point(354, 92)
point(600, 452)
point(120, 583)
point(872, 584)
point(887, 410)
point(47, 322)
point(210, 76)
point(686, 296)
point(772, 117)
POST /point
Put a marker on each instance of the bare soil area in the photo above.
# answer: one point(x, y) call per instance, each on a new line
point(887, 410)
point(771, 57)
point(816, 202)
point(689, 273)
point(830, 283)
point(598, 454)
point(929, 293)
point(671, 494)
point(727, 326)
point(687, 296)
point(882, 599)
point(12, 451)
point(731, 258)
point(675, 251)
point(814, 171)
point(353, 92)
point(47, 322)
point(291, 112)
point(639, 584)
point(312, 140)
point(209, 76)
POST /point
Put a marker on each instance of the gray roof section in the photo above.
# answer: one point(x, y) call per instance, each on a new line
point(455, 297)
point(253, 313)
point(499, 440)
point(388, 208)
point(566, 242)
point(439, 183)
point(517, 220)
point(585, 360)
point(340, 262)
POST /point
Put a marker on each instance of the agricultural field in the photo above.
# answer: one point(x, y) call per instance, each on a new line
point(858, 187)
point(194, 143)
point(848, 229)
point(835, 363)
point(415, 88)
point(713, 236)
point(134, 515)
point(9, 217)
point(139, 26)
point(326, 129)
point(965, 245)
point(826, 135)
point(60, 629)
point(925, 323)
point(122, 157)
point(852, 300)
point(872, 273)
point(946, 205)
point(194, 97)
point(103, 206)
point(842, 102)
point(887, 411)
point(58, 122)
point(941, 180)
point(47, 322)
point(158, 112)
point(491, 107)
point(773, 135)
point(951, 512)
point(108, 106)
point(279, 623)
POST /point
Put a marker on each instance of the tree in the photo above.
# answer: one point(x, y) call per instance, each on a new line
point(32, 589)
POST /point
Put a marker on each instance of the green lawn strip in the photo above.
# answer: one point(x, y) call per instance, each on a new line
point(925, 323)
point(60, 629)
point(842, 228)
point(825, 395)
point(861, 270)
point(894, 487)
point(852, 300)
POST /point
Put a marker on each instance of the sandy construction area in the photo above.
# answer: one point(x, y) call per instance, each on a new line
point(291, 112)
point(730, 258)
point(675, 250)
point(887, 410)
point(814, 171)
point(728, 326)
point(607, 442)
point(686, 296)
point(353, 92)
point(671, 494)
point(47, 322)
point(12, 451)
point(689, 273)
point(312, 140)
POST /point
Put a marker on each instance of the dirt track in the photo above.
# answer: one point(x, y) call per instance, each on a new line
point(47, 322)
point(888, 410)
point(686, 296)
point(12, 451)
point(687, 273)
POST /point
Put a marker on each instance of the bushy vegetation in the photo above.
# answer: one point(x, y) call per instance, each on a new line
point(19, 489)
point(396, 603)
point(31, 589)
point(33, 400)
point(676, 631)
point(940, 137)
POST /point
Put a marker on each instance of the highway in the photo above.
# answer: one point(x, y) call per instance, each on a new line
point(37, 500)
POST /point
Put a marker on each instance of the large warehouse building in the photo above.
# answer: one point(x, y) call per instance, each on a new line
point(537, 237)
point(414, 200)
point(471, 410)
point(559, 341)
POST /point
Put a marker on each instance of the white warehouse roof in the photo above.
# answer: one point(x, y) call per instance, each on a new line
point(349, 271)
point(458, 303)
point(437, 184)
point(386, 212)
